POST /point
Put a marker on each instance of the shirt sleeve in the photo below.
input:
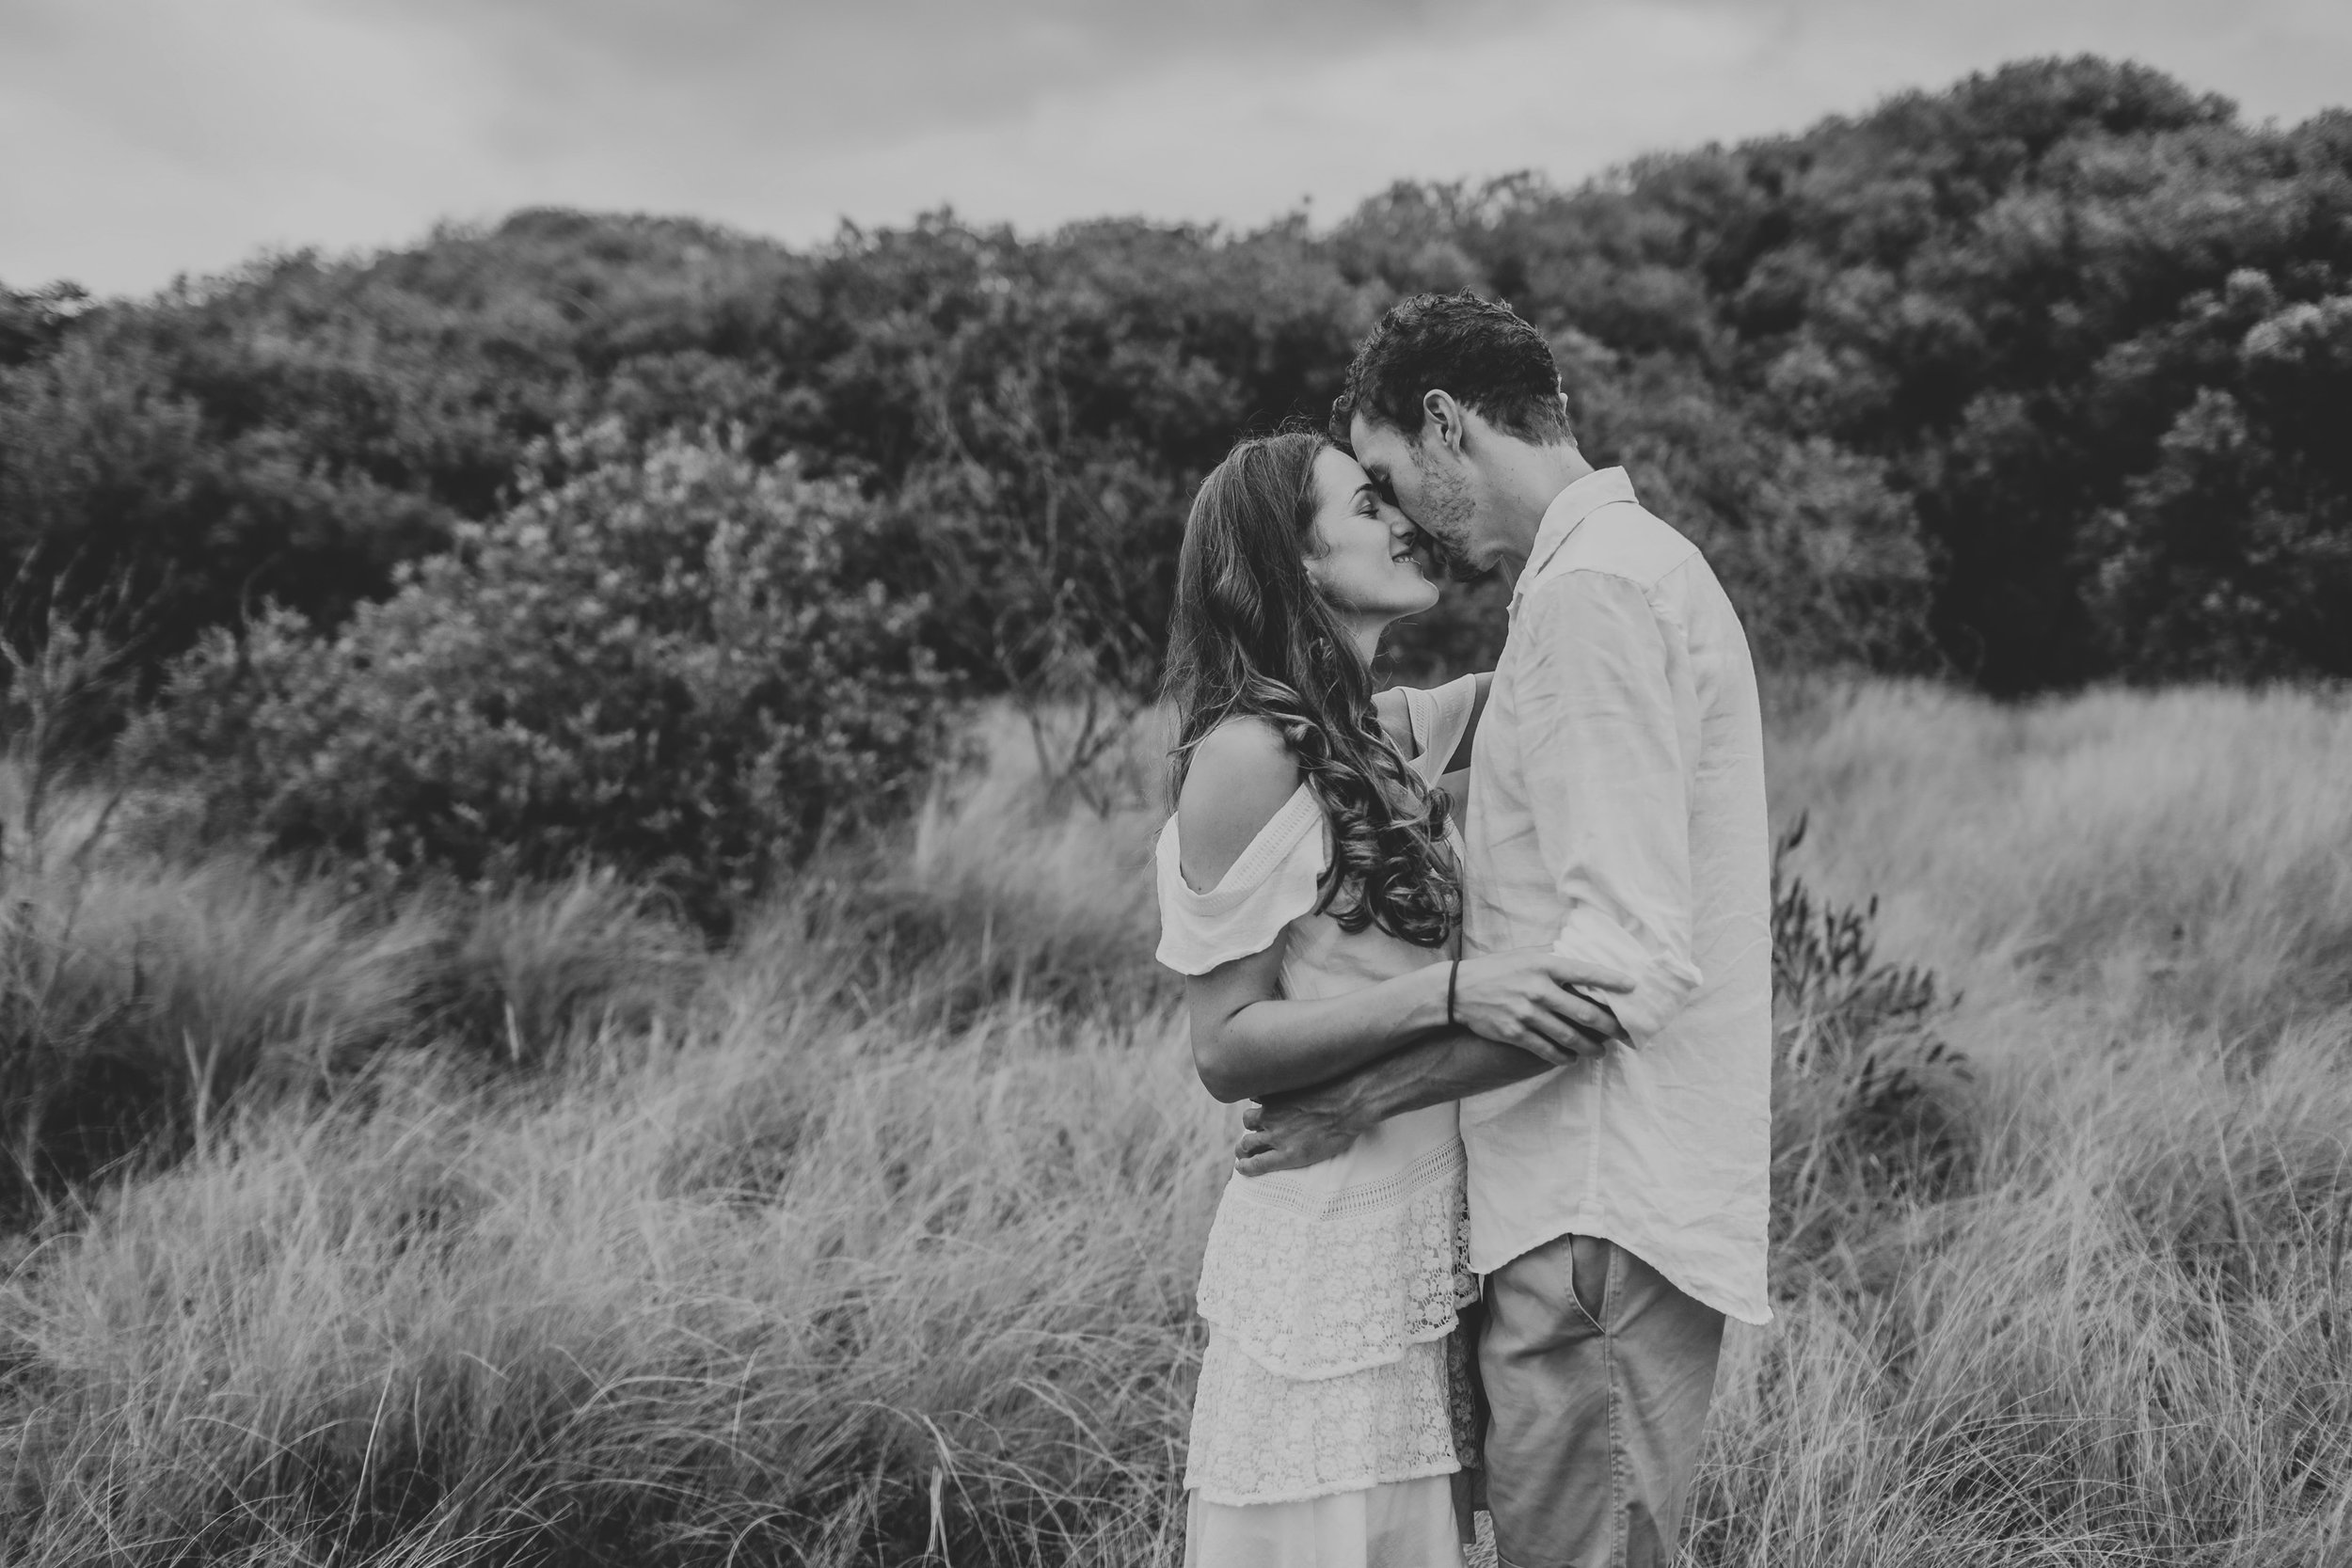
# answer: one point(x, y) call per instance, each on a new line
point(1607, 719)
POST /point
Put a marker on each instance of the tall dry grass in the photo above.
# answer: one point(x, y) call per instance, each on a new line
point(874, 1242)
point(2120, 1338)
point(143, 994)
point(2177, 855)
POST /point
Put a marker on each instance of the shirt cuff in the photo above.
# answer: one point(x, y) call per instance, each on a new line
point(1661, 981)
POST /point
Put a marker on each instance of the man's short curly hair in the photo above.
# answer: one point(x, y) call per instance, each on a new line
point(1480, 351)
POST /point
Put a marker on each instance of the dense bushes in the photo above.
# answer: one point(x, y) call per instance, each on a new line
point(2038, 378)
point(2234, 550)
point(658, 664)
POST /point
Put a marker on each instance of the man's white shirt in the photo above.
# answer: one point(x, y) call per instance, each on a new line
point(1617, 813)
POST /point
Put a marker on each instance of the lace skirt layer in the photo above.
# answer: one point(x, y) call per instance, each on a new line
point(1315, 1286)
point(1262, 1439)
point(1334, 1362)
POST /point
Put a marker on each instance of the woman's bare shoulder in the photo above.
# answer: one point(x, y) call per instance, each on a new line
point(1242, 773)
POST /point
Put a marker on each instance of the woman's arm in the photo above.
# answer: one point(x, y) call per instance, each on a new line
point(1390, 706)
point(1287, 1131)
point(1461, 757)
point(1248, 1041)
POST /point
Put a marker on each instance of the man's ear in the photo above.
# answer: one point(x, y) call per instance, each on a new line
point(1445, 417)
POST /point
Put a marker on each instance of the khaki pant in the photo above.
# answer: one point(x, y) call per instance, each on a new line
point(1597, 1375)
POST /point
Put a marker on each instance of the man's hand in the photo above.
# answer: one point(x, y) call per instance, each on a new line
point(1286, 1132)
point(1534, 999)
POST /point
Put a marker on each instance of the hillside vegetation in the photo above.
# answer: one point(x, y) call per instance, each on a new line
point(2038, 379)
point(871, 1237)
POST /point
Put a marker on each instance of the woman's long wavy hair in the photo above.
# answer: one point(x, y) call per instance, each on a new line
point(1252, 634)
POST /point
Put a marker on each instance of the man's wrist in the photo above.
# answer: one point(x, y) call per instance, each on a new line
point(1362, 1102)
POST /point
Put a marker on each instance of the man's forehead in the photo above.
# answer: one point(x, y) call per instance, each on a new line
point(1367, 438)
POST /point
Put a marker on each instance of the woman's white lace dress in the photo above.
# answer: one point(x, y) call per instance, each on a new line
point(1328, 1422)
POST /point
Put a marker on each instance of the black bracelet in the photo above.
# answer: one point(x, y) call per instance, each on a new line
point(1451, 976)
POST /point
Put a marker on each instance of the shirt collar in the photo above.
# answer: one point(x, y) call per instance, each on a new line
point(1570, 507)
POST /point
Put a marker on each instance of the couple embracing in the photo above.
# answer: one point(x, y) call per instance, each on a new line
point(1506, 1173)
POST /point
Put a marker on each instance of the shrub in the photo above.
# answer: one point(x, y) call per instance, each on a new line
point(658, 664)
point(1869, 1111)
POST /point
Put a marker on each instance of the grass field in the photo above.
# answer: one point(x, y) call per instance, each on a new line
point(533, 1235)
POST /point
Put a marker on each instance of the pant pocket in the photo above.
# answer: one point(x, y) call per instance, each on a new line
point(1589, 1257)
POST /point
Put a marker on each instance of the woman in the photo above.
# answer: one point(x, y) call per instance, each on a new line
point(1308, 890)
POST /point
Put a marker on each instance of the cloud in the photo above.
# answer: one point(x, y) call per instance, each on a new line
point(165, 137)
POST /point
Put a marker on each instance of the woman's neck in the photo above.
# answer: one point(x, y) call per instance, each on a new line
point(1363, 635)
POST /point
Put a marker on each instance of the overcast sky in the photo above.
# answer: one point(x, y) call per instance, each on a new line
point(143, 139)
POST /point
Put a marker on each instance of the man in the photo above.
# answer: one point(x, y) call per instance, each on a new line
point(1617, 1207)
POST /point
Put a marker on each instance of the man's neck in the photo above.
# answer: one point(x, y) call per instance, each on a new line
point(1529, 487)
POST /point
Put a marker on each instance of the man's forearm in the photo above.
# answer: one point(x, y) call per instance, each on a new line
point(1431, 1073)
point(1289, 1132)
